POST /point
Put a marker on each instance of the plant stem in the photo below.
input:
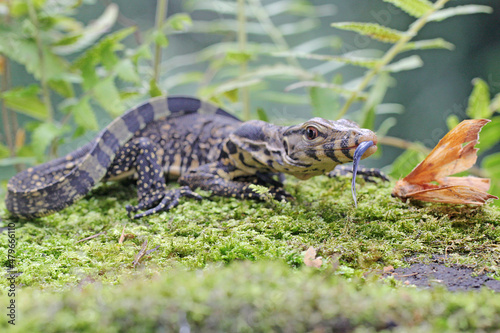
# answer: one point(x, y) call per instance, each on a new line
point(6, 114)
point(242, 44)
point(391, 54)
point(41, 58)
point(161, 13)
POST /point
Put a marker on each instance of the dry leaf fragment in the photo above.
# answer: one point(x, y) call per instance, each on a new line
point(141, 253)
point(122, 237)
point(388, 269)
point(454, 153)
point(90, 237)
point(310, 258)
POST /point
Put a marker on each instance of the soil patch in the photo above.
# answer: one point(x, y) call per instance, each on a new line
point(454, 277)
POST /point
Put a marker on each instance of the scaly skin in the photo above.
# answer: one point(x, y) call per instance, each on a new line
point(196, 142)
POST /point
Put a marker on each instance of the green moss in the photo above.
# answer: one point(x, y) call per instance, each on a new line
point(218, 231)
point(249, 297)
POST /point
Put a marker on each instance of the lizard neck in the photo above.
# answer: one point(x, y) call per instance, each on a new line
point(256, 146)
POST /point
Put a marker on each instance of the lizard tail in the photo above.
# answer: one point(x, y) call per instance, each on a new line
point(50, 187)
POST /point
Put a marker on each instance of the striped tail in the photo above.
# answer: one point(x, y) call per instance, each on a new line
point(50, 187)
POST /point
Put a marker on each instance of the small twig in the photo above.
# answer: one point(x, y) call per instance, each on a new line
point(152, 250)
point(122, 237)
point(91, 237)
point(141, 253)
point(405, 275)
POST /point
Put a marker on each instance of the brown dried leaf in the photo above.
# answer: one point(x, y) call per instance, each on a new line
point(310, 258)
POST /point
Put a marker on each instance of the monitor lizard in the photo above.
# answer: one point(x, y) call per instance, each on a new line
point(198, 143)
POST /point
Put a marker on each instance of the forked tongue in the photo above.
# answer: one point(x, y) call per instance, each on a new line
point(363, 146)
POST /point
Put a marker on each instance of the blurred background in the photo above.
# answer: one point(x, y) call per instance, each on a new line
point(206, 59)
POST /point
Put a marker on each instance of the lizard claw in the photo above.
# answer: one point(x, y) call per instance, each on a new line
point(169, 200)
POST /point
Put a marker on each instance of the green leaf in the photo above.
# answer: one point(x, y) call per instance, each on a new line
point(479, 100)
point(283, 97)
point(238, 57)
point(436, 43)
point(62, 87)
point(262, 115)
point(87, 36)
point(386, 125)
point(490, 164)
point(347, 59)
point(372, 30)
point(325, 102)
point(332, 86)
point(452, 121)
point(405, 64)
point(415, 8)
point(443, 14)
point(43, 135)
point(160, 38)
point(25, 52)
point(180, 21)
point(495, 103)
point(26, 101)
point(405, 163)
point(4, 151)
point(108, 96)
point(233, 85)
point(489, 135)
point(181, 79)
point(84, 115)
point(154, 90)
point(231, 95)
point(142, 52)
point(110, 43)
point(126, 71)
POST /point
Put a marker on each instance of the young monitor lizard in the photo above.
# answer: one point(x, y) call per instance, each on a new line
point(196, 142)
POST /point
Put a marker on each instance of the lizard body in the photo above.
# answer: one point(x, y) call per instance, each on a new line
point(196, 142)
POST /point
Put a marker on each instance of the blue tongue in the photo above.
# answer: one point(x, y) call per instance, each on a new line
point(363, 146)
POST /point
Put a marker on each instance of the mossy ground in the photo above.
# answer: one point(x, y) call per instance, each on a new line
point(197, 240)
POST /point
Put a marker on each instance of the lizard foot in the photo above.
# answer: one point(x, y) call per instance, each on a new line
point(279, 193)
point(169, 200)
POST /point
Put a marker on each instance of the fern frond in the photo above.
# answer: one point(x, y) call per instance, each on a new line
point(415, 8)
point(436, 43)
point(372, 30)
point(334, 87)
point(405, 64)
point(351, 60)
point(459, 10)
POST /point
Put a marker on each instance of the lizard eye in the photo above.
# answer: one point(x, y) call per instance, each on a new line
point(311, 133)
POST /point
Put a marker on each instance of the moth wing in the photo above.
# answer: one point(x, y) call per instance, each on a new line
point(458, 194)
point(482, 184)
point(454, 153)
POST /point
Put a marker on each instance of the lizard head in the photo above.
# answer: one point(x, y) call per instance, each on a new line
point(318, 145)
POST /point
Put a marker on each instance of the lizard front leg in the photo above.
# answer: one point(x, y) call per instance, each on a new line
point(145, 157)
point(208, 177)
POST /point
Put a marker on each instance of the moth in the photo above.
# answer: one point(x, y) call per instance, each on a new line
point(454, 153)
